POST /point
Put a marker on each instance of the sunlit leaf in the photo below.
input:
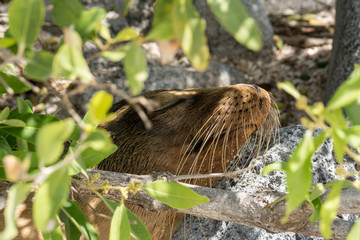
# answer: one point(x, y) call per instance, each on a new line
point(4, 114)
point(298, 173)
point(120, 226)
point(70, 63)
point(162, 21)
point(339, 143)
point(353, 136)
point(26, 28)
point(49, 198)
point(56, 234)
point(99, 106)
point(329, 210)
point(138, 229)
point(318, 190)
point(126, 34)
point(276, 166)
point(354, 232)
point(39, 67)
point(50, 140)
point(115, 55)
point(189, 30)
point(16, 195)
point(173, 194)
point(7, 42)
point(347, 92)
point(233, 16)
point(289, 88)
point(135, 67)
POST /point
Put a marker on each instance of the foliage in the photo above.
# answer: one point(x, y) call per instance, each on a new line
point(346, 138)
point(32, 145)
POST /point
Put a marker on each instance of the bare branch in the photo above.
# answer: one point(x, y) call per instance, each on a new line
point(250, 209)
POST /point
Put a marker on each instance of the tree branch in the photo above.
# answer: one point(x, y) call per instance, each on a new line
point(250, 209)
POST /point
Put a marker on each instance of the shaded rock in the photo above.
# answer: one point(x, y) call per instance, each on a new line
point(346, 45)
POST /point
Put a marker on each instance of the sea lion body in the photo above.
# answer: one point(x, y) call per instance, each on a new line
point(194, 131)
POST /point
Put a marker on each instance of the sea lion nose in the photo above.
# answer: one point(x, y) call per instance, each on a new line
point(256, 88)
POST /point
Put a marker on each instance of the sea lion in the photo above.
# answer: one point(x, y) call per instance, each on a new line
point(194, 131)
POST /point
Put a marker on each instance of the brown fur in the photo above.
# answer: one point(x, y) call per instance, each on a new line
point(194, 131)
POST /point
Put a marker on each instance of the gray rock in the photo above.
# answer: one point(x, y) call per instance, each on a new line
point(346, 45)
point(276, 7)
point(324, 165)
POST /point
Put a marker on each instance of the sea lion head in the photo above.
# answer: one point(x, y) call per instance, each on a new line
point(194, 130)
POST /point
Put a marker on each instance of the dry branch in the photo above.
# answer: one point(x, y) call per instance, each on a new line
point(250, 209)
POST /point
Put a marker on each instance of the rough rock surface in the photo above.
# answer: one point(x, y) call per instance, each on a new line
point(276, 7)
point(324, 165)
point(346, 45)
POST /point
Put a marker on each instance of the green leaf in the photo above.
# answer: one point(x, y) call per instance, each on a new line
point(66, 12)
point(50, 140)
point(49, 198)
point(120, 225)
point(33, 123)
point(138, 229)
point(126, 34)
point(26, 28)
point(316, 205)
point(318, 190)
point(115, 55)
point(339, 143)
point(7, 42)
point(127, 5)
point(13, 82)
point(135, 67)
point(289, 88)
point(276, 166)
point(103, 31)
point(5, 148)
point(24, 106)
point(298, 173)
point(234, 18)
point(54, 235)
point(174, 194)
point(76, 223)
point(353, 112)
point(99, 106)
point(347, 92)
point(353, 136)
point(13, 123)
point(70, 63)
point(162, 22)
point(329, 210)
point(189, 30)
point(344, 183)
point(17, 194)
point(100, 147)
point(354, 232)
point(88, 21)
point(39, 67)
point(4, 114)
